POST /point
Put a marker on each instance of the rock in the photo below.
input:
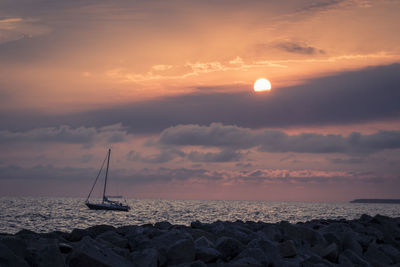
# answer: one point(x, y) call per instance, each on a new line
point(206, 254)
point(229, 247)
point(344, 261)
point(270, 250)
point(164, 225)
point(355, 259)
point(196, 233)
point(287, 249)
point(65, 248)
point(114, 238)
point(377, 257)
point(77, 235)
point(302, 233)
point(191, 264)
point(203, 242)
point(27, 233)
point(391, 252)
point(99, 229)
point(245, 262)
point(350, 243)
point(272, 232)
point(16, 244)
point(145, 258)
point(90, 253)
point(315, 261)
point(44, 252)
point(254, 253)
point(180, 252)
point(138, 242)
point(329, 252)
point(9, 259)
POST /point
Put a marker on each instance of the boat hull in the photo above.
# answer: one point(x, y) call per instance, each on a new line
point(105, 206)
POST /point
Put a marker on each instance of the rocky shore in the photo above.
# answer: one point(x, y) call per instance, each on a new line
point(367, 241)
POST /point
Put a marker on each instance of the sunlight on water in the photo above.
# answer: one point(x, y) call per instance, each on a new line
point(65, 214)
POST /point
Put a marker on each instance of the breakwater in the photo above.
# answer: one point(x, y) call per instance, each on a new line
point(367, 241)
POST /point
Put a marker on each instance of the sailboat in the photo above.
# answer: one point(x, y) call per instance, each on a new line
point(106, 203)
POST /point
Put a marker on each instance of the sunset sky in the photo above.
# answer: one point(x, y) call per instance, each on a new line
point(168, 86)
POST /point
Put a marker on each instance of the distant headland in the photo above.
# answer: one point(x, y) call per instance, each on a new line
point(376, 200)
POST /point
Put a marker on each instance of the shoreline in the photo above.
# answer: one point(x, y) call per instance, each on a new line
point(367, 241)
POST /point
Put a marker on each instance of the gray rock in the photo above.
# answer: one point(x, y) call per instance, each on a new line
point(99, 229)
point(145, 258)
point(315, 261)
point(138, 242)
point(344, 261)
point(271, 251)
point(77, 235)
point(191, 264)
point(377, 257)
point(287, 249)
point(164, 225)
point(355, 259)
point(196, 233)
point(254, 253)
point(90, 253)
point(65, 248)
point(114, 238)
point(245, 262)
point(207, 254)
point(302, 233)
point(180, 252)
point(391, 252)
point(329, 252)
point(16, 244)
point(203, 242)
point(349, 242)
point(9, 259)
point(44, 252)
point(229, 247)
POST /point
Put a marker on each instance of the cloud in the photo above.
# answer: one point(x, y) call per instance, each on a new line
point(225, 155)
point(231, 138)
point(298, 48)
point(66, 134)
point(360, 96)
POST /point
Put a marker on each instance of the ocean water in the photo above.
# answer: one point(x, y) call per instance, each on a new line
point(65, 214)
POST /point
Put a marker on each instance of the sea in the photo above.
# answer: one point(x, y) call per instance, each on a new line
point(65, 214)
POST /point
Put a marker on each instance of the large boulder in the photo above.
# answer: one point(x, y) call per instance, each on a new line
point(180, 252)
point(287, 249)
point(114, 238)
point(8, 258)
point(45, 252)
point(354, 258)
point(164, 225)
point(270, 250)
point(377, 257)
point(301, 233)
point(145, 258)
point(203, 242)
point(207, 254)
point(229, 247)
point(99, 229)
point(350, 242)
point(254, 253)
point(90, 253)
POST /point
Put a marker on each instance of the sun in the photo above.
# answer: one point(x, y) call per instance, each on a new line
point(262, 85)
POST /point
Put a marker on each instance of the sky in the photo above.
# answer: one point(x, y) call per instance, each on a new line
point(168, 86)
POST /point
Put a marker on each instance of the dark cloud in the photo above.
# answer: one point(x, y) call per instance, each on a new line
point(359, 96)
point(298, 48)
point(225, 155)
point(66, 134)
point(234, 137)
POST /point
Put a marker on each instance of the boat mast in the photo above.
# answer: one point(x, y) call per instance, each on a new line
point(105, 182)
